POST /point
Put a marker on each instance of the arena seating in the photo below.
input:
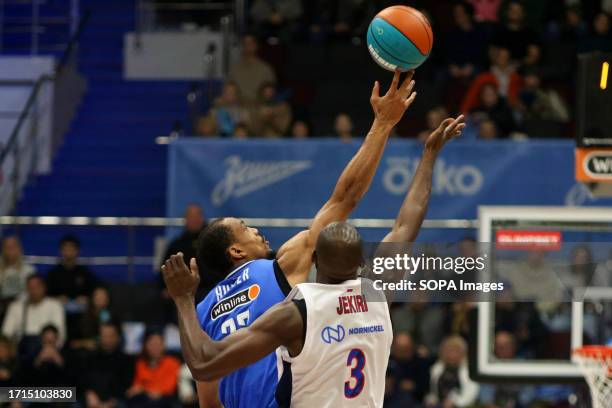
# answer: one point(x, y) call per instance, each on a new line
point(109, 164)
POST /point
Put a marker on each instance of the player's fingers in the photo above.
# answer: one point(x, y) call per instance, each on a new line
point(395, 82)
point(375, 91)
point(444, 124)
point(450, 129)
point(407, 89)
point(457, 132)
point(193, 266)
point(409, 75)
point(408, 82)
point(410, 100)
point(180, 262)
point(168, 267)
point(175, 263)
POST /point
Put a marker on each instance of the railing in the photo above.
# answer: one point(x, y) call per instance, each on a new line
point(131, 260)
point(23, 149)
point(254, 222)
point(148, 12)
point(35, 24)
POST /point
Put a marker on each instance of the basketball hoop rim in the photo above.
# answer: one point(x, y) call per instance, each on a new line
point(594, 352)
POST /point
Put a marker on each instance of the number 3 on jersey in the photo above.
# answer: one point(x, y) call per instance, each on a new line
point(356, 360)
point(231, 325)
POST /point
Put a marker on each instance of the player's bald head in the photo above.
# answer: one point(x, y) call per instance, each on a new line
point(339, 252)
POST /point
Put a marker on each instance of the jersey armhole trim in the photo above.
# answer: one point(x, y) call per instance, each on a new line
point(281, 279)
point(301, 306)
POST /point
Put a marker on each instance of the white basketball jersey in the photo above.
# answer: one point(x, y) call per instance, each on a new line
point(346, 350)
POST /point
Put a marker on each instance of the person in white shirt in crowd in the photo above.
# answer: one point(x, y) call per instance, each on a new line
point(27, 316)
point(14, 271)
point(450, 384)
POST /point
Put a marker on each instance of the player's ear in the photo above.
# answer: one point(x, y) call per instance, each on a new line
point(235, 252)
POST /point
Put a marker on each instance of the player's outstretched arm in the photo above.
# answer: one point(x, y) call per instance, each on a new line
point(209, 360)
point(294, 256)
point(414, 207)
point(281, 325)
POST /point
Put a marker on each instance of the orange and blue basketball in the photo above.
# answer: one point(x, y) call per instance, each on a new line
point(400, 37)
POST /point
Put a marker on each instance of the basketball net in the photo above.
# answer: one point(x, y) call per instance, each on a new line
point(596, 365)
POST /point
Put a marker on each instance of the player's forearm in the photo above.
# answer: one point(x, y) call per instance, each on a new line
point(414, 208)
point(358, 174)
point(197, 346)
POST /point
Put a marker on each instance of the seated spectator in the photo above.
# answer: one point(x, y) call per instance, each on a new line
point(48, 365)
point(206, 126)
point(300, 130)
point(450, 383)
point(156, 374)
point(97, 313)
point(520, 40)
point(571, 29)
point(423, 320)
point(8, 362)
point(186, 243)
point(276, 18)
point(186, 388)
point(250, 72)
point(487, 130)
point(14, 272)
point(505, 395)
point(603, 274)
point(69, 281)
point(502, 75)
point(272, 115)
point(600, 38)
point(109, 371)
point(492, 106)
point(26, 317)
point(343, 127)
point(486, 10)
point(241, 131)
point(466, 46)
point(537, 103)
point(228, 110)
point(434, 117)
point(410, 369)
point(352, 17)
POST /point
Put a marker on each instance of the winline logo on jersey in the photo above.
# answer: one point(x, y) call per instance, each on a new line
point(244, 297)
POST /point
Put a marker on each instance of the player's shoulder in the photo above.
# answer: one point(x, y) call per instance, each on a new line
point(261, 264)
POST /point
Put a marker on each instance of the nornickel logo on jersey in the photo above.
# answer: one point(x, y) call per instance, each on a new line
point(330, 334)
point(241, 298)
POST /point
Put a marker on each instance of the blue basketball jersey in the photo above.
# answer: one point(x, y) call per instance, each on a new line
point(236, 302)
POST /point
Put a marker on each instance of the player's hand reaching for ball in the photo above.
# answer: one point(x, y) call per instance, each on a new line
point(449, 129)
point(389, 108)
point(180, 280)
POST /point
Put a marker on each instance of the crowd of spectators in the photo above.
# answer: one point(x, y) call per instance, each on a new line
point(71, 336)
point(59, 329)
point(508, 64)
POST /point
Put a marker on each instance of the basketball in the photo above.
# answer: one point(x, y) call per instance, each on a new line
point(400, 37)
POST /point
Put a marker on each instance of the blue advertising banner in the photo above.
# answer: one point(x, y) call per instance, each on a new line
point(292, 179)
